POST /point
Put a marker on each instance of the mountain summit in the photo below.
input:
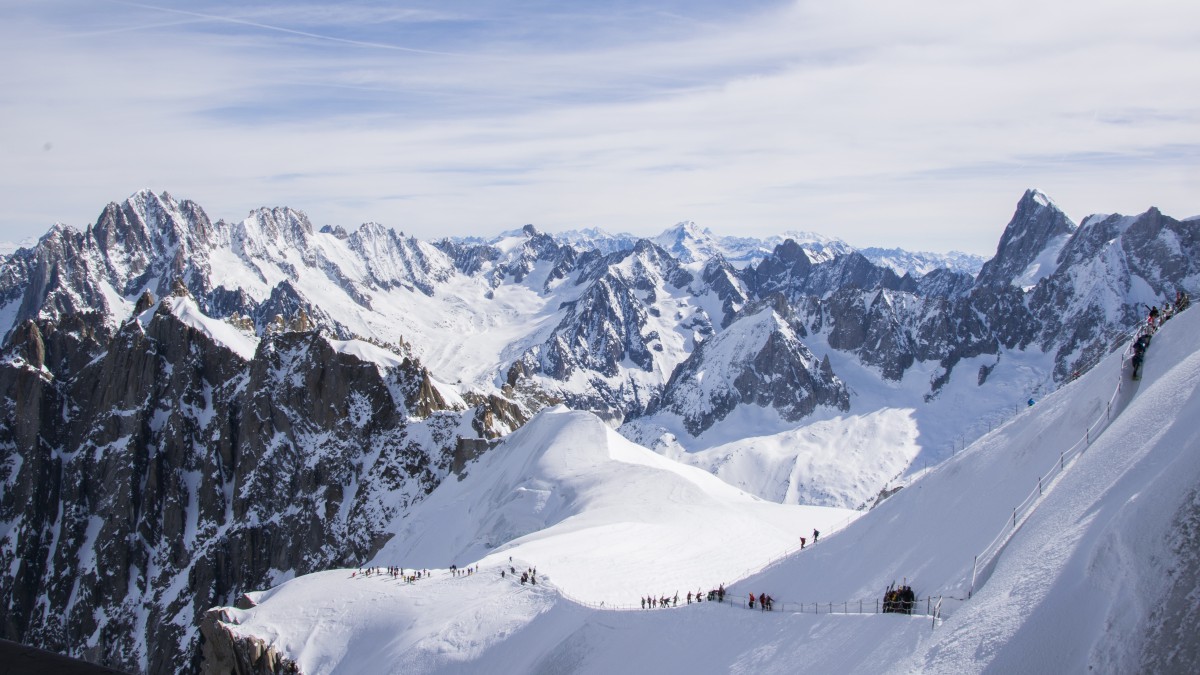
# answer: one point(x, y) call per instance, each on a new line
point(1029, 247)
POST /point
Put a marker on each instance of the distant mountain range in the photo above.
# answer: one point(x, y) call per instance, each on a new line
point(689, 244)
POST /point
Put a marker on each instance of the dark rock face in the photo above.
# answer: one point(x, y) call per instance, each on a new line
point(168, 475)
point(226, 653)
point(1036, 223)
point(789, 271)
point(760, 360)
point(1096, 293)
point(605, 334)
point(728, 284)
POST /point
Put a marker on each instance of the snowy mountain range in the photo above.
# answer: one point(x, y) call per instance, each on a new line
point(194, 409)
point(689, 243)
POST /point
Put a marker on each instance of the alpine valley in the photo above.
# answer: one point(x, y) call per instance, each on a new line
point(196, 410)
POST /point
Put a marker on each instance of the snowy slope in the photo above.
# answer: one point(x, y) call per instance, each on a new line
point(1075, 589)
point(565, 489)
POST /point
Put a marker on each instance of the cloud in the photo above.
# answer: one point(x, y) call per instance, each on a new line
point(914, 124)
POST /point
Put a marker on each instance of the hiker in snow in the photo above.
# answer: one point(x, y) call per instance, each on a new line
point(643, 603)
point(815, 535)
point(1139, 354)
point(802, 540)
point(721, 593)
point(1153, 318)
point(675, 602)
point(1030, 402)
point(689, 597)
point(501, 574)
point(751, 601)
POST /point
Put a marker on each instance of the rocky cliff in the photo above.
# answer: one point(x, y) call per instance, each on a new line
point(171, 473)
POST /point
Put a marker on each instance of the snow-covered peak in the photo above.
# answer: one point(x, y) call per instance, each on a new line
point(688, 243)
point(597, 239)
point(240, 342)
point(279, 224)
point(565, 486)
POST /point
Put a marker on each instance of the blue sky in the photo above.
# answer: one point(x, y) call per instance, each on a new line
point(912, 124)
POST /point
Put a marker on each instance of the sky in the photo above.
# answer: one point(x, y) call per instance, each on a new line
point(915, 124)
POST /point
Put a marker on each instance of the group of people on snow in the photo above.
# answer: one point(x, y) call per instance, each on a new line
point(804, 541)
point(715, 595)
point(528, 576)
point(765, 602)
point(455, 571)
point(410, 577)
point(1156, 317)
point(393, 572)
point(899, 600)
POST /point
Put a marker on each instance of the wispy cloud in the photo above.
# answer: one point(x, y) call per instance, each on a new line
point(915, 124)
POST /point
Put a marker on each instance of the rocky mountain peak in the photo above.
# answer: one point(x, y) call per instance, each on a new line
point(1033, 237)
point(758, 360)
point(279, 224)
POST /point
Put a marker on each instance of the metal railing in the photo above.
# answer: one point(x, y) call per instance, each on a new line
point(983, 564)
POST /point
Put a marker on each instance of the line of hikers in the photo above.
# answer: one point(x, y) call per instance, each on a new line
point(393, 572)
point(415, 575)
point(715, 595)
point(455, 571)
point(765, 602)
point(1157, 317)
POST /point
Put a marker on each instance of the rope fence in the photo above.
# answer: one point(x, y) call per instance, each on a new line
point(927, 607)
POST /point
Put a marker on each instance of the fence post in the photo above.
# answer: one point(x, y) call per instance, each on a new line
point(927, 605)
point(1061, 461)
point(1014, 516)
point(876, 605)
point(860, 607)
point(1039, 486)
